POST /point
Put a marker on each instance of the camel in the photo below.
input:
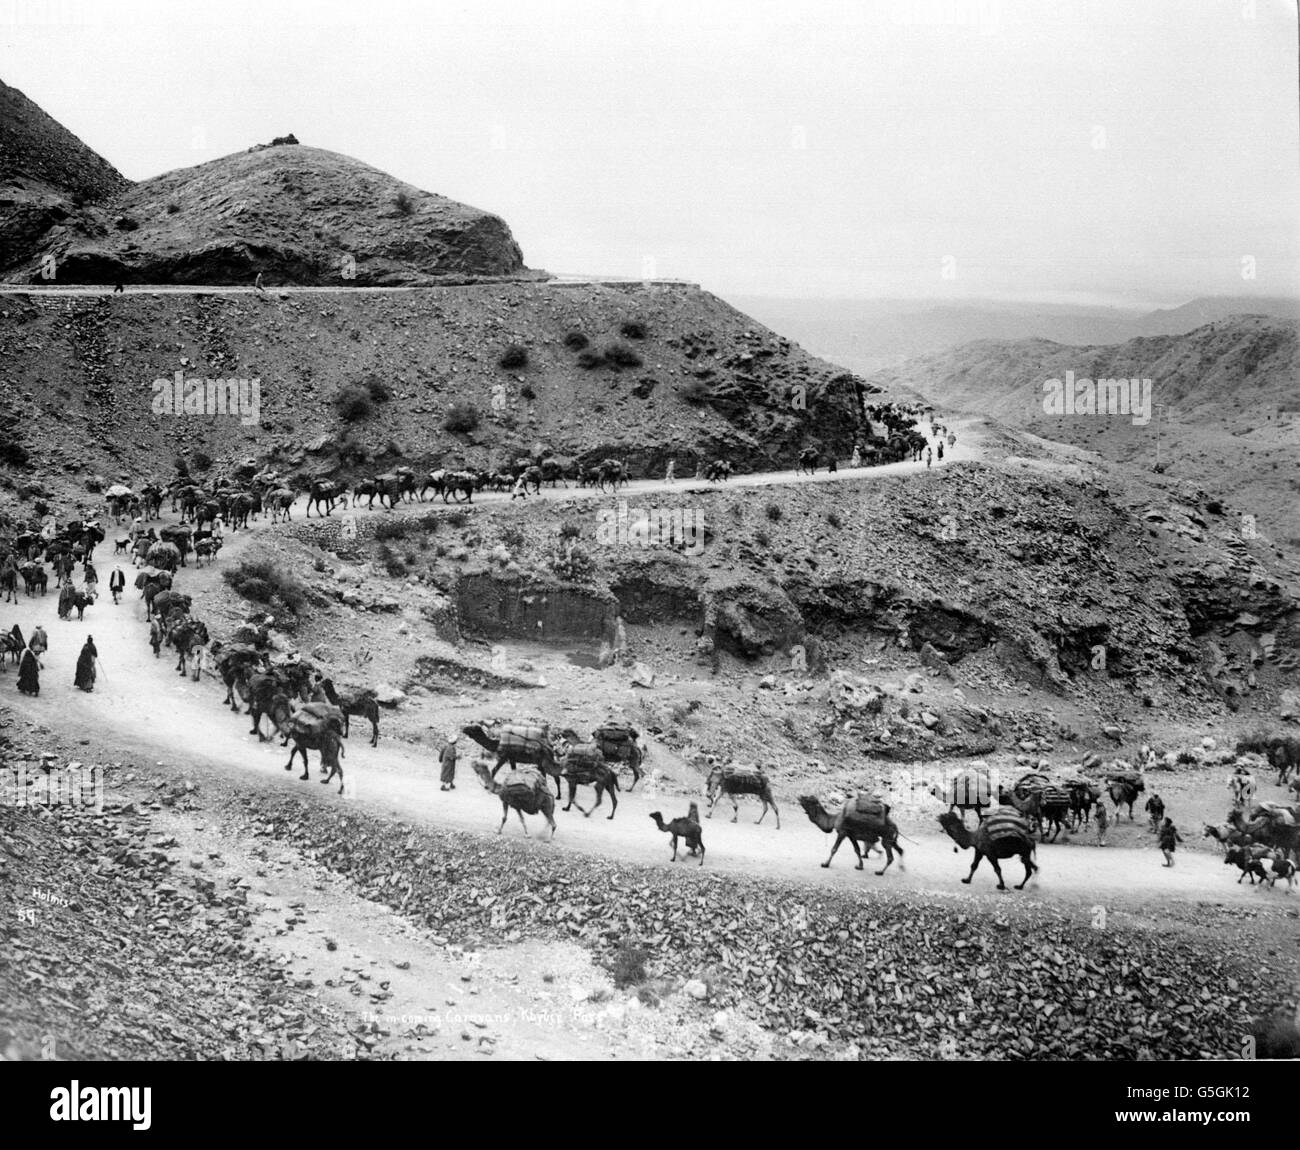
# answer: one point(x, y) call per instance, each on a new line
point(361, 701)
point(1044, 807)
point(583, 766)
point(864, 822)
point(614, 745)
point(687, 828)
point(523, 791)
point(323, 738)
point(1248, 863)
point(1282, 752)
point(732, 781)
point(966, 791)
point(1124, 789)
point(1082, 796)
point(1272, 832)
point(1004, 834)
point(187, 638)
point(519, 745)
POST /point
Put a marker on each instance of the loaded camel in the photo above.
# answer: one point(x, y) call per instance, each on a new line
point(517, 744)
point(863, 822)
point(1124, 790)
point(970, 790)
point(733, 781)
point(687, 828)
point(525, 792)
point(319, 737)
point(1004, 834)
point(582, 764)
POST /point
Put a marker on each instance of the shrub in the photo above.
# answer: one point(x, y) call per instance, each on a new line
point(202, 461)
point(1214, 507)
point(572, 563)
point(393, 529)
point(378, 390)
point(633, 329)
point(515, 356)
point(569, 530)
point(762, 539)
point(12, 453)
point(173, 208)
point(576, 341)
point(403, 203)
point(513, 538)
point(527, 391)
point(773, 512)
point(457, 518)
point(126, 224)
point(620, 355)
point(263, 582)
point(833, 518)
point(590, 359)
point(629, 965)
point(461, 419)
point(696, 392)
point(354, 403)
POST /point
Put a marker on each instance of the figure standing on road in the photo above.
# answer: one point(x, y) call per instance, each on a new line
point(1169, 840)
point(90, 576)
point(929, 457)
point(448, 760)
point(116, 584)
point(520, 489)
point(856, 461)
point(940, 453)
point(257, 283)
point(669, 470)
point(29, 679)
point(85, 678)
point(1103, 824)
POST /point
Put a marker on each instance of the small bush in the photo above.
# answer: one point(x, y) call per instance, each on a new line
point(576, 341)
point(403, 203)
point(393, 529)
point(570, 530)
point(202, 461)
point(173, 208)
point(633, 329)
point(12, 453)
point(1214, 507)
point(527, 391)
point(263, 582)
point(629, 965)
point(833, 518)
point(513, 538)
point(461, 419)
point(773, 512)
point(126, 224)
point(515, 356)
point(457, 519)
point(590, 360)
point(572, 563)
point(620, 355)
point(378, 390)
point(354, 403)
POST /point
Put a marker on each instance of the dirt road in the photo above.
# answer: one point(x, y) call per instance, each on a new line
point(141, 705)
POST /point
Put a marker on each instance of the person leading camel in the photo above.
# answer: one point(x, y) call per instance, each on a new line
point(1169, 840)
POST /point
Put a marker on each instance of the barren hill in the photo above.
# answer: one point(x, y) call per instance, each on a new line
point(47, 176)
point(695, 379)
point(299, 215)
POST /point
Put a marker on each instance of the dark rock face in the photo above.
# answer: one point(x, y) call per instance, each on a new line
point(494, 608)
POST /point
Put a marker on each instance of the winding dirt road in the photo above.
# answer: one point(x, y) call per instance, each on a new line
point(143, 707)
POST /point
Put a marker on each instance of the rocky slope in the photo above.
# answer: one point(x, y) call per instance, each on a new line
point(48, 178)
point(702, 380)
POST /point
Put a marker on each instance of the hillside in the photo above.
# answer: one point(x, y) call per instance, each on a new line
point(296, 214)
point(47, 177)
point(1231, 420)
point(697, 379)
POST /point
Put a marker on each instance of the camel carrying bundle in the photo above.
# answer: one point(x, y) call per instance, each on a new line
point(868, 807)
point(516, 737)
point(1005, 822)
point(584, 757)
point(615, 734)
point(522, 782)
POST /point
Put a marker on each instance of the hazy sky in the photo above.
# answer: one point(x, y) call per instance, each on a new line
point(1135, 150)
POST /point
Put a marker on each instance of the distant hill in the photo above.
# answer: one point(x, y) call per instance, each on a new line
point(1232, 409)
point(866, 335)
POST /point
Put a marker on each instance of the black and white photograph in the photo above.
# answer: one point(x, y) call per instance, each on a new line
point(650, 530)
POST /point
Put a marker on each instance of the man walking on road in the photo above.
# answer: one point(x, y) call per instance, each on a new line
point(448, 760)
point(1103, 824)
point(116, 584)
